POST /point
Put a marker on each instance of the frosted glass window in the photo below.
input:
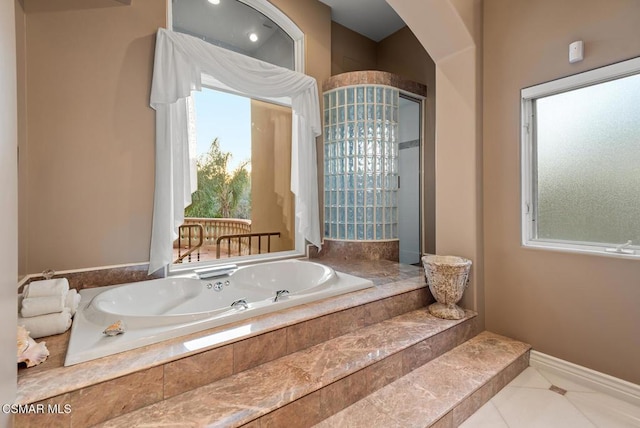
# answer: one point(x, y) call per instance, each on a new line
point(581, 162)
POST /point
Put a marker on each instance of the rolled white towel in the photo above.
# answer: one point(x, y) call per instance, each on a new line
point(35, 306)
point(48, 287)
point(72, 301)
point(47, 325)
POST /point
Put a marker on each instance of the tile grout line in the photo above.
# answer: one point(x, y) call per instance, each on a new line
point(601, 410)
point(499, 412)
point(567, 399)
point(580, 411)
point(564, 397)
point(527, 387)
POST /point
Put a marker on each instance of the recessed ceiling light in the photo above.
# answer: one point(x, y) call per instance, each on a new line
point(214, 1)
point(253, 37)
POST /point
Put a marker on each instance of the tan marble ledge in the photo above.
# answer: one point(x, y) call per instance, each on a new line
point(378, 271)
point(254, 393)
point(99, 277)
point(373, 77)
point(52, 379)
point(359, 250)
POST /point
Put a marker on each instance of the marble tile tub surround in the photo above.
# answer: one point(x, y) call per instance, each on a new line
point(374, 78)
point(99, 277)
point(378, 270)
point(302, 388)
point(401, 343)
point(399, 288)
point(333, 249)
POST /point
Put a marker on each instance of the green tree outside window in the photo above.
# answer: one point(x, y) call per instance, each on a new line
point(220, 194)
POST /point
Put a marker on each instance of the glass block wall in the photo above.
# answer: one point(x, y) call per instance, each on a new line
point(361, 163)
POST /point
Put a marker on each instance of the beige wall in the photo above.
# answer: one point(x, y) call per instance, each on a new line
point(314, 19)
point(351, 51)
point(8, 203)
point(23, 176)
point(89, 130)
point(272, 203)
point(401, 53)
point(451, 32)
point(580, 308)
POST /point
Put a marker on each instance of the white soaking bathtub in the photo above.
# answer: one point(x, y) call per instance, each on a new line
point(160, 309)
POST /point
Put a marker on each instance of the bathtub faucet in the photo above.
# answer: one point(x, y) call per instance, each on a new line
point(280, 293)
point(242, 303)
point(215, 272)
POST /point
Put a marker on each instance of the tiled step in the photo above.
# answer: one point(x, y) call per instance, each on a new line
point(305, 387)
point(442, 393)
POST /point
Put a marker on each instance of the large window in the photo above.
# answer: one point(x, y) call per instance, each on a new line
point(243, 207)
point(581, 162)
point(243, 202)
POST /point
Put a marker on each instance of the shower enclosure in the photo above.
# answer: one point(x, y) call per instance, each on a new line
point(361, 139)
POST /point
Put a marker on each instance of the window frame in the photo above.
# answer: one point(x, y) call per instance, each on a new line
point(528, 168)
point(299, 249)
point(282, 20)
point(274, 14)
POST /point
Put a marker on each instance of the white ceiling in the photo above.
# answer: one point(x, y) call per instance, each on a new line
point(374, 19)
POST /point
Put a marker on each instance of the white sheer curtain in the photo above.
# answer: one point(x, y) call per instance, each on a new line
point(180, 61)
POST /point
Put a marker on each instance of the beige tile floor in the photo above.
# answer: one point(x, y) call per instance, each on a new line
point(528, 402)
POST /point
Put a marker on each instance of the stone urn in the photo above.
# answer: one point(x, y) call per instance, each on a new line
point(447, 279)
